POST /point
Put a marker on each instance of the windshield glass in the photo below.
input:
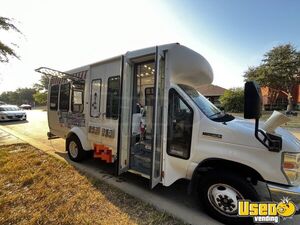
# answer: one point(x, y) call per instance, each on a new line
point(9, 108)
point(209, 109)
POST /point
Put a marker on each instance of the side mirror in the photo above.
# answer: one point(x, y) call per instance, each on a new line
point(253, 102)
point(252, 110)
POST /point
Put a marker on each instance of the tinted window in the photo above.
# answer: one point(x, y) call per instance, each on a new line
point(77, 97)
point(54, 97)
point(113, 97)
point(180, 126)
point(64, 98)
point(95, 98)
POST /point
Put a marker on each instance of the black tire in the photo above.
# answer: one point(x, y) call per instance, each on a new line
point(71, 142)
point(213, 180)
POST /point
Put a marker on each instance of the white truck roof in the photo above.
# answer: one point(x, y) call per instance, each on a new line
point(185, 65)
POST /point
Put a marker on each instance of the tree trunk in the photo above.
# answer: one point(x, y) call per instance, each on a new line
point(290, 102)
point(273, 96)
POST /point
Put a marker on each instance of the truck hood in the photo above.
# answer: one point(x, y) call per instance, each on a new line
point(241, 132)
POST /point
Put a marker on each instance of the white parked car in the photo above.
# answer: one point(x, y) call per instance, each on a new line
point(25, 106)
point(11, 112)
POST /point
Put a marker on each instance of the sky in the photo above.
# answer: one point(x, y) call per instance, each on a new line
point(231, 34)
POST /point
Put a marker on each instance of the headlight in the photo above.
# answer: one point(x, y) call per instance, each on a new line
point(291, 167)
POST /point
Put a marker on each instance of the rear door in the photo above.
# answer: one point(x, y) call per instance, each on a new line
point(59, 108)
point(53, 119)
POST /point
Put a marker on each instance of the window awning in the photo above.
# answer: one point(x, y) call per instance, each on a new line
point(79, 76)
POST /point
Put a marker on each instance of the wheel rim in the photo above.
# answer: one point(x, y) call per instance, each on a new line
point(73, 149)
point(224, 199)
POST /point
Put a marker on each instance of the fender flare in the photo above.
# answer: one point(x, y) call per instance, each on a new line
point(82, 137)
point(217, 163)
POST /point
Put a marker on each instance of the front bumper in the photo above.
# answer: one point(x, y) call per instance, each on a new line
point(278, 192)
point(13, 117)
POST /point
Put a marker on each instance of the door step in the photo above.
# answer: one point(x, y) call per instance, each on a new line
point(141, 159)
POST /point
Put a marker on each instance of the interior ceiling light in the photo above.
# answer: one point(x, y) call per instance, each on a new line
point(145, 66)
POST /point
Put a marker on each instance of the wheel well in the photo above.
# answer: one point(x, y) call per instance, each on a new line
point(70, 134)
point(227, 165)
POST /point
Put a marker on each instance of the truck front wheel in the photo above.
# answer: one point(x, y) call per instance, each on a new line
point(219, 193)
point(74, 149)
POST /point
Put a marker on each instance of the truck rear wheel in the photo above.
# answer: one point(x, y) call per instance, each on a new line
point(219, 193)
point(74, 149)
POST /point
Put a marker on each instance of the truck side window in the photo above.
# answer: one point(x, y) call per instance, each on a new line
point(64, 98)
point(180, 126)
point(95, 98)
point(77, 97)
point(113, 97)
point(54, 97)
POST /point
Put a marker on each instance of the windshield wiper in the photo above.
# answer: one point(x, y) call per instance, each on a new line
point(215, 114)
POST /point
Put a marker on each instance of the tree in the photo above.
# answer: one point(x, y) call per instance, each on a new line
point(25, 95)
point(43, 83)
point(41, 90)
point(279, 70)
point(40, 97)
point(7, 51)
point(233, 100)
point(18, 97)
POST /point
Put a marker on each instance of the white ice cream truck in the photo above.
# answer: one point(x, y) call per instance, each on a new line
point(141, 111)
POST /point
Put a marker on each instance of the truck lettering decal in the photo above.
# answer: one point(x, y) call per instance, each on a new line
point(212, 135)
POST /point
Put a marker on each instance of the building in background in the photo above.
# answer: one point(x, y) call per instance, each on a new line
point(212, 92)
point(277, 100)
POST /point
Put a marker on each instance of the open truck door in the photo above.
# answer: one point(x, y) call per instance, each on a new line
point(140, 138)
point(125, 112)
point(157, 148)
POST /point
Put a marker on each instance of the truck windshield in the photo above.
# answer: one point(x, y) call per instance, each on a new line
point(209, 109)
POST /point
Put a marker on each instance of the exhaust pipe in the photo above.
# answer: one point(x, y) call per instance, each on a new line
point(274, 121)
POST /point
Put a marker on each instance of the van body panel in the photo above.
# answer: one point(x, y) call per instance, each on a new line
point(233, 140)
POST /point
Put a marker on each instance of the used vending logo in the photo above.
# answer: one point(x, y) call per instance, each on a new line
point(267, 212)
